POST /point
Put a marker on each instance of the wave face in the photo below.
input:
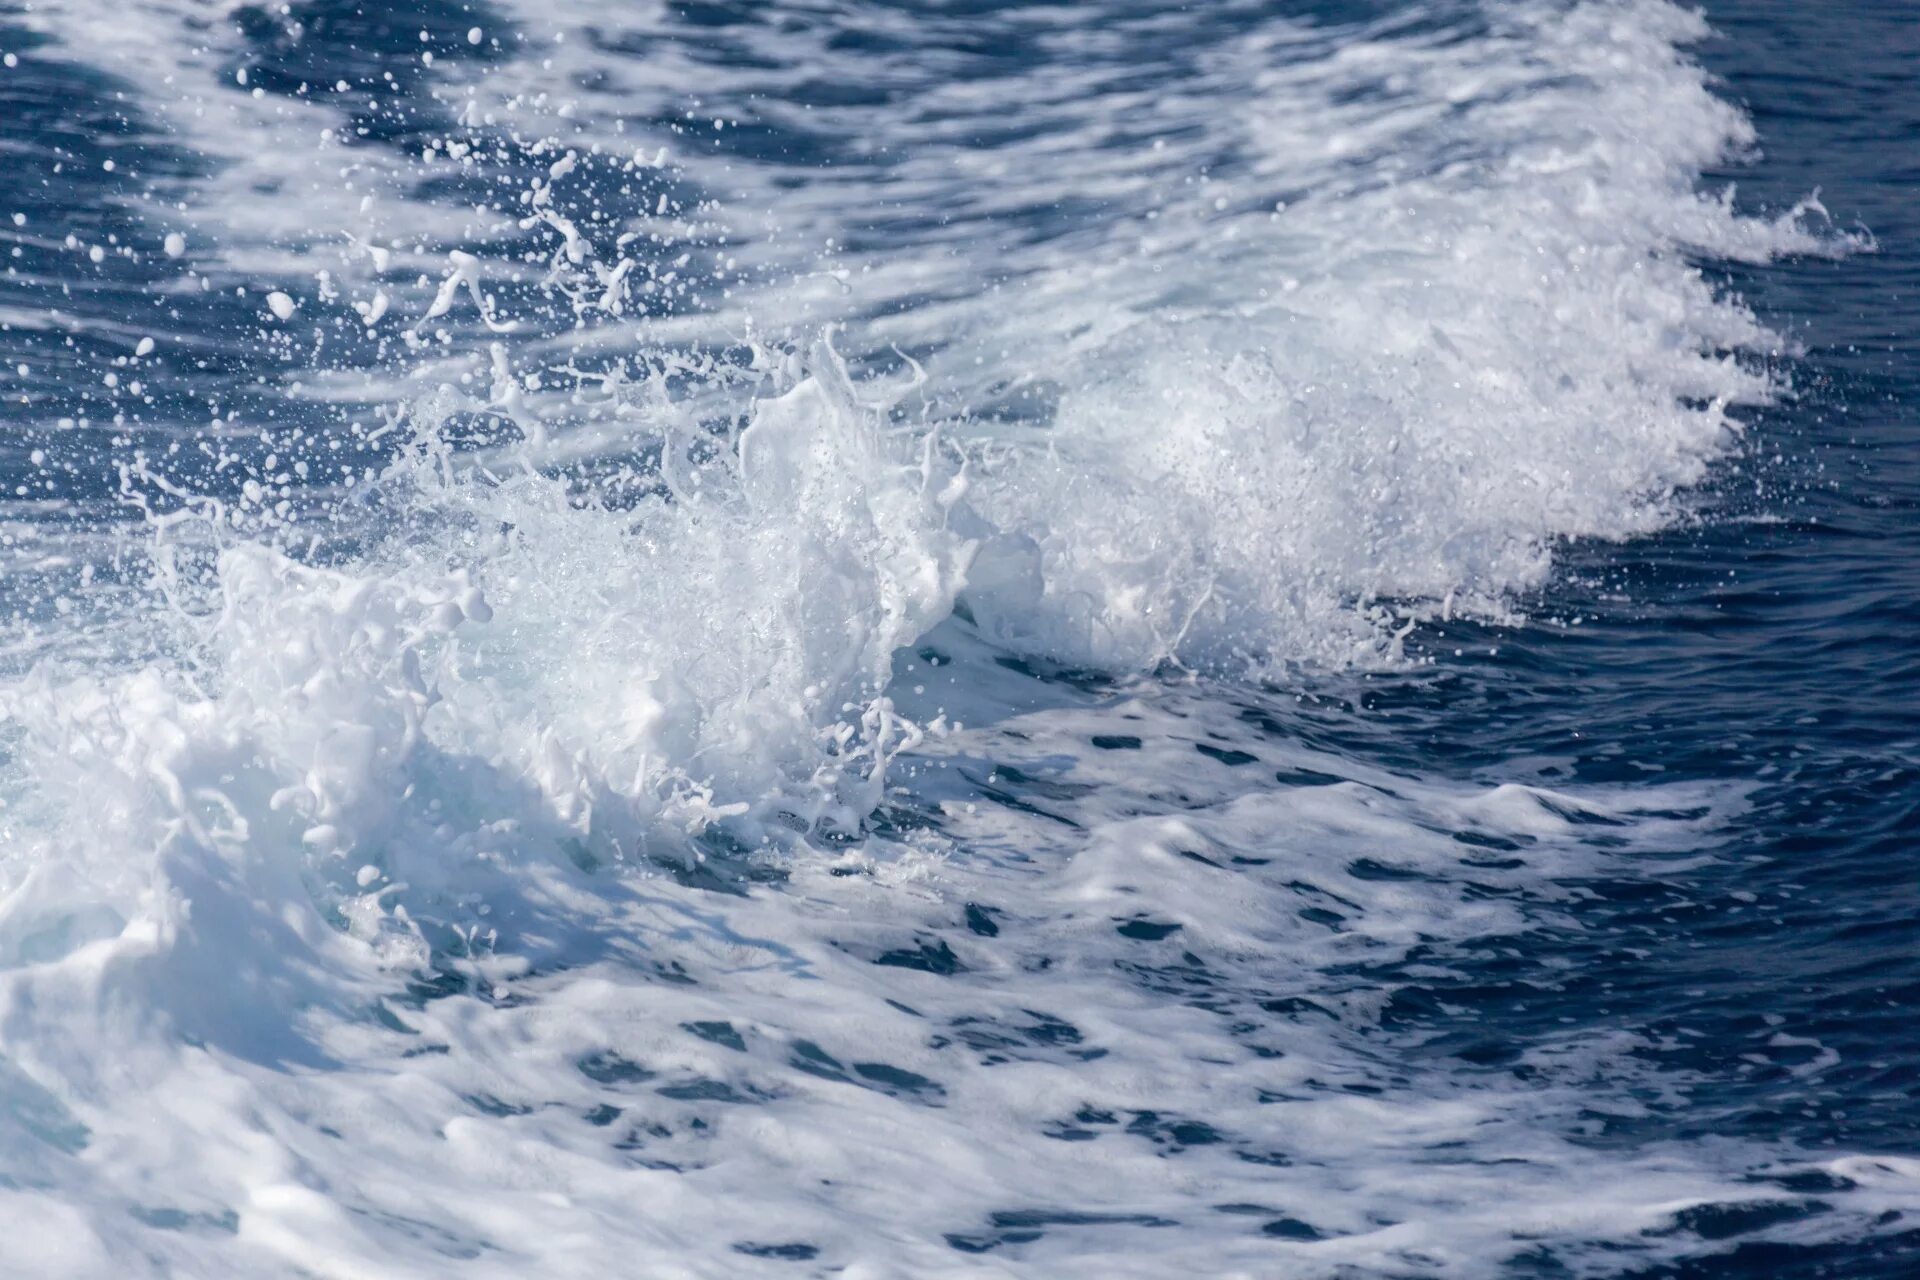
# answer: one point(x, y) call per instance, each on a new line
point(719, 637)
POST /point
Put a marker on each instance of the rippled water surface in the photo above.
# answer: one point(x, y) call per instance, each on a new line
point(906, 639)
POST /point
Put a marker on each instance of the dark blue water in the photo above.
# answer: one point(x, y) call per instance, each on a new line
point(1771, 641)
point(1768, 989)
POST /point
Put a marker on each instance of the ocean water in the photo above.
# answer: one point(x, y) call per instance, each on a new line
point(948, 637)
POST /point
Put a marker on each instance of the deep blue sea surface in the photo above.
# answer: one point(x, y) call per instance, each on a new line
point(954, 637)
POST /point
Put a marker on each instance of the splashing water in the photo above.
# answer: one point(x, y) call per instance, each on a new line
point(682, 644)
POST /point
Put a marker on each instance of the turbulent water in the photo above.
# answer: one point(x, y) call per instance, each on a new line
point(958, 638)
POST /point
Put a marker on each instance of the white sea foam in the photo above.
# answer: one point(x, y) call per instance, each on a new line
point(559, 856)
point(1410, 310)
